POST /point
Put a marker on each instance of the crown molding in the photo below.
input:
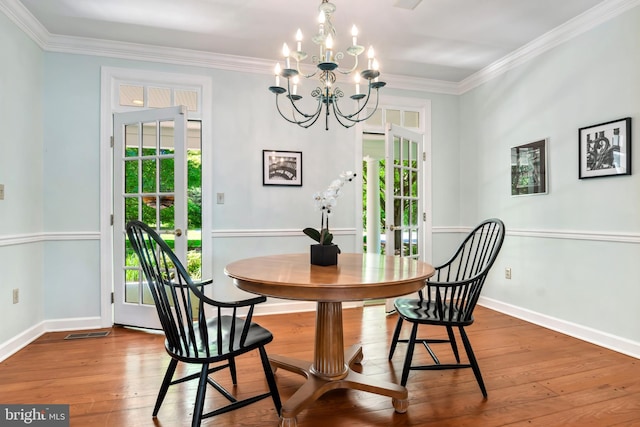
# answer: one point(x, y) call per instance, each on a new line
point(24, 20)
point(593, 17)
point(580, 24)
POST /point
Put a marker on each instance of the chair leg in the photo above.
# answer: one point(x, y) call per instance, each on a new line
point(454, 345)
point(202, 391)
point(232, 368)
point(166, 382)
point(407, 360)
point(473, 361)
point(271, 381)
point(396, 335)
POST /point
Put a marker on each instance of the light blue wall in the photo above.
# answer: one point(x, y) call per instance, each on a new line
point(21, 173)
point(50, 105)
point(591, 79)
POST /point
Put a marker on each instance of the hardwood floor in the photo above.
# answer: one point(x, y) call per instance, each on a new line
point(534, 377)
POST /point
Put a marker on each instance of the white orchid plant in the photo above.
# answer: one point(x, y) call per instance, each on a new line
point(325, 202)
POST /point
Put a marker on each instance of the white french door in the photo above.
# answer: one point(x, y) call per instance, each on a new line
point(405, 214)
point(149, 184)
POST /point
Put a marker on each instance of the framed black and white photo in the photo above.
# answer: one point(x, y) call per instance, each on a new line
point(529, 168)
point(282, 168)
point(605, 149)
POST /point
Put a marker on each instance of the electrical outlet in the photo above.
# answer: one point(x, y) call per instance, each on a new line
point(16, 295)
point(507, 273)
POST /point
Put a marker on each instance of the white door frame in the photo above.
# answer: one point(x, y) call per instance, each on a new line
point(424, 106)
point(110, 79)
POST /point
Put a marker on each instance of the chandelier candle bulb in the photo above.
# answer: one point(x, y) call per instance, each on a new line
point(371, 55)
point(354, 35)
point(299, 39)
point(296, 80)
point(285, 53)
point(277, 71)
point(329, 46)
point(357, 79)
point(375, 68)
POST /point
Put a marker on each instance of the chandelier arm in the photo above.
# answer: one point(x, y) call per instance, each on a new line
point(364, 104)
point(350, 118)
point(298, 122)
point(310, 118)
point(306, 76)
point(293, 104)
point(346, 72)
point(339, 118)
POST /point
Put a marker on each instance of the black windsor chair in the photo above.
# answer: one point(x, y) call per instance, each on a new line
point(449, 298)
point(191, 337)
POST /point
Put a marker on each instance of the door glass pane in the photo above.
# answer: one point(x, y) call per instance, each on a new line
point(414, 184)
point(149, 213)
point(149, 137)
point(131, 96)
point(188, 98)
point(149, 176)
point(393, 117)
point(131, 140)
point(411, 119)
point(413, 212)
point(159, 97)
point(167, 140)
point(131, 176)
point(167, 177)
point(131, 208)
point(132, 275)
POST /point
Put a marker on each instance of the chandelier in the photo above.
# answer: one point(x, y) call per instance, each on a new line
point(327, 94)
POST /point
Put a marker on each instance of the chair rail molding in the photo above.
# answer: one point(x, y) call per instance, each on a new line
point(599, 236)
point(27, 238)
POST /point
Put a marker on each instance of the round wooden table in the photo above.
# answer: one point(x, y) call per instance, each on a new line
point(356, 277)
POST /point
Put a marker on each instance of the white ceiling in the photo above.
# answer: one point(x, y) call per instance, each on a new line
point(447, 40)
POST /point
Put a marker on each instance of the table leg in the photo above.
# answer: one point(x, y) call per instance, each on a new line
point(329, 371)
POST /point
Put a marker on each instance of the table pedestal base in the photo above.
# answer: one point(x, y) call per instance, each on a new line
point(315, 386)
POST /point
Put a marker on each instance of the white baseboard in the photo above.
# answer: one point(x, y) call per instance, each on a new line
point(20, 341)
point(593, 336)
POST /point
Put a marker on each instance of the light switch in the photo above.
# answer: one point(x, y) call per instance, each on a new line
point(1, 191)
point(220, 198)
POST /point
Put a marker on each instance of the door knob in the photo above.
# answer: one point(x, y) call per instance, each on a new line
point(178, 232)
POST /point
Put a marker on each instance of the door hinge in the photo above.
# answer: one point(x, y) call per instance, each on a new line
point(424, 216)
point(111, 219)
point(424, 155)
point(111, 142)
point(112, 298)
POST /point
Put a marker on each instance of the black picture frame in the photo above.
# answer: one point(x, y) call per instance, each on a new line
point(282, 168)
point(529, 174)
point(605, 149)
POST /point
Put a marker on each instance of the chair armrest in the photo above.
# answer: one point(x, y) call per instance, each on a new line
point(225, 304)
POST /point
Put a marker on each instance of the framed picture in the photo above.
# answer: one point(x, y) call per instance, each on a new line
point(282, 168)
point(529, 168)
point(605, 149)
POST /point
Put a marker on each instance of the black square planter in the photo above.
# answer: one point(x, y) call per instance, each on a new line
point(324, 254)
